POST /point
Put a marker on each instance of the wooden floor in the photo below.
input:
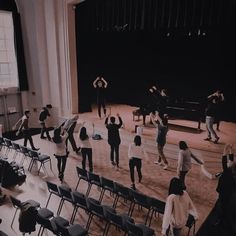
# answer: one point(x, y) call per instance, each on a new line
point(155, 180)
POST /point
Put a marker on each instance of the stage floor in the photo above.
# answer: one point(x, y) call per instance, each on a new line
point(155, 180)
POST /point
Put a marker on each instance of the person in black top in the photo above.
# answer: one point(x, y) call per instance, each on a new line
point(44, 113)
point(100, 84)
point(114, 137)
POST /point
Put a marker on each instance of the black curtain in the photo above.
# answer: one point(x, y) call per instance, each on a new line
point(10, 5)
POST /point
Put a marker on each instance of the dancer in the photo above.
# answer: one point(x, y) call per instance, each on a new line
point(218, 98)
point(100, 84)
point(114, 138)
point(24, 128)
point(69, 126)
point(44, 113)
point(59, 138)
point(162, 129)
point(136, 153)
point(86, 149)
point(184, 161)
point(210, 112)
point(178, 207)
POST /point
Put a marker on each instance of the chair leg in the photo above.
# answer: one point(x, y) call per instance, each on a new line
point(101, 195)
point(72, 219)
point(48, 199)
point(151, 217)
point(106, 229)
point(131, 209)
point(89, 221)
point(115, 201)
point(14, 217)
point(77, 184)
point(60, 207)
point(88, 190)
point(40, 167)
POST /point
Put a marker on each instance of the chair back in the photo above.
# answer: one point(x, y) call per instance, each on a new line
point(190, 222)
point(94, 178)
point(122, 191)
point(33, 154)
point(24, 150)
point(16, 202)
point(81, 173)
point(95, 207)
point(62, 229)
point(133, 229)
point(141, 199)
point(158, 205)
point(79, 199)
point(8, 142)
point(16, 146)
point(52, 187)
point(107, 183)
point(112, 217)
point(65, 192)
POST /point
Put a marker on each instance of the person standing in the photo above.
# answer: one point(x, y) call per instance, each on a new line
point(114, 138)
point(136, 153)
point(185, 162)
point(211, 112)
point(177, 209)
point(44, 113)
point(69, 126)
point(218, 98)
point(59, 138)
point(86, 149)
point(162, 129)
point(24, 128)
point(100, 84)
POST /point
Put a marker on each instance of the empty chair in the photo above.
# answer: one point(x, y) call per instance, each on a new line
point(25, 153)
point(65, 193)
point(79, 201)
point(124, 192)
point(46, 219)
point(42, 159)
point(118, 220)
point(95, 209)
point(70, 230)
point(190, 223)
point(106, 184)
point(139, 229)
point(8, 145)
point(82, 174)
point(17, 204)
point(17, 149)
point(93, 179)
point(142, 201)
point(158, 207)
point(53, 189)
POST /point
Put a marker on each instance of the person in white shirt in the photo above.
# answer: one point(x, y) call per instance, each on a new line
point(136, 153)
point(178, 207)
point(86, 149)
point(61, 154)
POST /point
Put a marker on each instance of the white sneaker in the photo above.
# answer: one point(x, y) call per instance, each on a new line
point(165, 167)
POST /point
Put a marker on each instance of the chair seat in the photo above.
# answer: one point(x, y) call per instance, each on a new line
point(43, 157)
point(32, 203)
point(60, 221)
point(77, 230)
point(45, 213)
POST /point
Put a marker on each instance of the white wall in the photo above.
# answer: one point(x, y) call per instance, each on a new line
point(50, 53)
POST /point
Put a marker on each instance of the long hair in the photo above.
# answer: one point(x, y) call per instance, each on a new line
point(176, 186)
point(137, 140)
point(57, 135)
point(83, 134)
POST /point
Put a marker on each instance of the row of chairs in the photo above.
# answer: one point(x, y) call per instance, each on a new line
point(6, 146)
point(80, 200)
point(94, 208)
point(153, 205)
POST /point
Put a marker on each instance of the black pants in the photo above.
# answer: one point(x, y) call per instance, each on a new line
point(72, 142)
point(61, 163)
point(114, 150)
point(27, 136)
point(182, 175)
point(87, 152)
point(101, 104)
point(44, 130)
point(135, 162)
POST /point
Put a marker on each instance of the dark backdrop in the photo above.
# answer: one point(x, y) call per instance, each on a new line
point(189, 62)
